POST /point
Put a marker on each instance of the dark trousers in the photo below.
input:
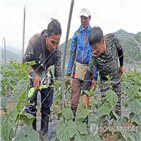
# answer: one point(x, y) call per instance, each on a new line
point(46, 101)
point(116, 87)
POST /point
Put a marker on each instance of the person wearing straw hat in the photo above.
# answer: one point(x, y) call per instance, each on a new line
point(79, 58)
point(105, 53)
point(43, 48)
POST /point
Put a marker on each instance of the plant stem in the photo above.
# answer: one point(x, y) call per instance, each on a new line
point(17, 127)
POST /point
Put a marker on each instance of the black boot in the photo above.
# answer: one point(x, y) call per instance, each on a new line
point(44, 128)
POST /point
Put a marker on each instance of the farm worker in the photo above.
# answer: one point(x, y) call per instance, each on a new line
point(79, 58)
point(43, 48)
point(105, 53)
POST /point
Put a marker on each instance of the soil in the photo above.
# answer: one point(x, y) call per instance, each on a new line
point(7, 107)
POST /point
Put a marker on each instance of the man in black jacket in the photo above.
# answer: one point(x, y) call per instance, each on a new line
point(43, 48)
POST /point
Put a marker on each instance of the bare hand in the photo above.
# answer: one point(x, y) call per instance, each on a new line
point(120, 71)
point(93, 84)
point(37, 79)
point(85, 100)
point(67, 81)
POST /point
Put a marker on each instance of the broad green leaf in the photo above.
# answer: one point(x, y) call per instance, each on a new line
point(20, 88)
point(21, 137)
point(2, 93)
point(93, 128)
point(99, 102)
point(82, 111)
point(77, 137)
point(82, 128)
point(62, 133)
point(134, 105)
point(66, 131)
point(84, 137)
point(21, 99)
point(53, 139)
point(21, 75)
point(94, 138)
point(1, 139)
point(123, 101)
point(116, 123)
point(100, 121)
point(87, 92)
point(133, 90)
point(71, 128)
point(23, 67)
point(59, 115)
point(31, 135)
point(11, 135)
point(124, 135)
point(79, 120)
point(94, 101)
point(111, 97)
point(92, 118)
point(8, 122)
point(134, 123)
point(123, 120)
point(131, 136)
point(2, 119)
point(113, 114)
point(91, 92)
point(27, 118)
point(138, 135)
point(67, 112)
point(136, 118)
point(26, 64)
point(4, 102)
point(104, 109)
point(18, 106)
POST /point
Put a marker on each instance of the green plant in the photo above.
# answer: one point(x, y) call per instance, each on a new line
point(78, 129)
point(15, 116)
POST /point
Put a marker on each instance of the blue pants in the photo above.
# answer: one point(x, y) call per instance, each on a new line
point(46, 100)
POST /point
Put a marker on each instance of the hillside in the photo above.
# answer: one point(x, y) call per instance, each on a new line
point(62, 46)
point(10, 55)
point(129, 43)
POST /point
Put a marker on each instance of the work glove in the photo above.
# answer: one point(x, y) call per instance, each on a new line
point(85, 100)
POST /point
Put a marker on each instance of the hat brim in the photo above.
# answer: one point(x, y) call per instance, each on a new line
point(84, 14)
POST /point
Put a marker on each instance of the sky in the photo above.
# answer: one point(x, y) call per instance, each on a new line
point(110, 15)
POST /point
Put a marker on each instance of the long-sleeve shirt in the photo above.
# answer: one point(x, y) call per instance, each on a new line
point(36, 50)
point(80, 49)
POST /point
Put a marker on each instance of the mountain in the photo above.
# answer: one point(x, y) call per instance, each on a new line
point(13, 50)
point(14, 54)
point(129, 42)
point(123, 34)
point(62, 47)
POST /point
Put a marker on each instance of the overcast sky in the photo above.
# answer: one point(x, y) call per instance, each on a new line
point(109, 15)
